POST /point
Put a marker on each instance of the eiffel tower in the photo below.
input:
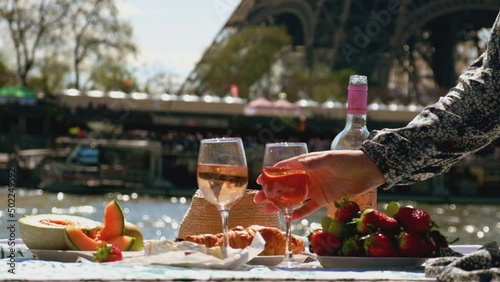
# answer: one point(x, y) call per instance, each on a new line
point(367, 35)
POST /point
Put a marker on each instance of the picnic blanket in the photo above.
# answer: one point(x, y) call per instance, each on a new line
point(482, 265)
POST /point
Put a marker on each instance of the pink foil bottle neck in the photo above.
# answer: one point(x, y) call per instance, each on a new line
point(357, 99)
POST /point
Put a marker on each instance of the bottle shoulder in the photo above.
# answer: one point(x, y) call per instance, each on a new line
point(350, 139)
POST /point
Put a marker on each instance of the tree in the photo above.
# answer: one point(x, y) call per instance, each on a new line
point(52, 75)
point(62, 29)
point(6, 75)
point(319, 83)
point(95, 31)
point(160, 82)
point(32, 24)
point(111, 74)
point(243, 59)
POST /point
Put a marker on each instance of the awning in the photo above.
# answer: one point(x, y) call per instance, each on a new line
point(17, 92)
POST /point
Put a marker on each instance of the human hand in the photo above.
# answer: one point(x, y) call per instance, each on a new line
point(333, 175)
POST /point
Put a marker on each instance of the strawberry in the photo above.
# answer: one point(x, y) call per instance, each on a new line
point(413, 219)
point(352, 247)
point(324, 243)
point(372, 219)
point(411, 244)
point(107, 253)
point(439, 239)
point(432, 248)
point(380, 245)
point(439, 242)
point(346, 210)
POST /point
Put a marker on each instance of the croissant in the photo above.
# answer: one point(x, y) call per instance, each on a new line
point(240, 238)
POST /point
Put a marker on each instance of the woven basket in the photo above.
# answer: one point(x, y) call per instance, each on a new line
point(203, 217)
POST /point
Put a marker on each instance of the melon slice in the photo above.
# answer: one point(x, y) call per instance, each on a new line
point(114, 222)
point(76, 239)
point(124, 242)
point(46, 231)
point(132, 230)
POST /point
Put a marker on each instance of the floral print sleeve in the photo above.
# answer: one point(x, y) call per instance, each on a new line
point(460, 123)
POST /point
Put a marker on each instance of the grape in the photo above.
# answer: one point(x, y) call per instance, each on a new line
point(325, 223)
point(336, 227)
point(392, 208)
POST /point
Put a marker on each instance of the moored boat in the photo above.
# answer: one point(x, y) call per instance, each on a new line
point(98, 166)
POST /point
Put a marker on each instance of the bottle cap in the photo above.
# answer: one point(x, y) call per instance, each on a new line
point(358, 80)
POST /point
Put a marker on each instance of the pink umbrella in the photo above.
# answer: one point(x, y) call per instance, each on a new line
point(284, 104)
point(260, 102)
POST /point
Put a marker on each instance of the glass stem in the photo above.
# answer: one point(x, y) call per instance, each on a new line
point(225, 219)
point(288, 234)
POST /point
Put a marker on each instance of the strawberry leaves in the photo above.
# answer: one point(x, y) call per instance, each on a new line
point(107, 253)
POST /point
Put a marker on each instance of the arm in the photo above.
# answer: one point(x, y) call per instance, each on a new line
point(460, 123)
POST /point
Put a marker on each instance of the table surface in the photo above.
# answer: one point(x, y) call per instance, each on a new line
point(50, 270)
point(24, 267)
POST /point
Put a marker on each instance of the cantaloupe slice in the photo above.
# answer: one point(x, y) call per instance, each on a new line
point(113, 222)
point(131, 230)
point(46, 231)
point(76, 239)
point(123, 242)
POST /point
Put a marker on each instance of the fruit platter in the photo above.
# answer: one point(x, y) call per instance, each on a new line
point(66, 237)
point(398, 237)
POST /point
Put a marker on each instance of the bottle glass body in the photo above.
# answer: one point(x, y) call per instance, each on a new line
point(355, 133)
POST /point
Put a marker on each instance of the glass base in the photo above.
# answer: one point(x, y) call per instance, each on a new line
point(288, 262)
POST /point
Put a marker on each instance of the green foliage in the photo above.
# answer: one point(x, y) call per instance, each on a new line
point(319, 83)
point(51, 78)
point(243, 58)
point(111, 75)
point(82, 31)
point(7, 77)
point(97, 33)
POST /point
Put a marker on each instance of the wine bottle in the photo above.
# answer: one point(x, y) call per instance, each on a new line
point(355, 132)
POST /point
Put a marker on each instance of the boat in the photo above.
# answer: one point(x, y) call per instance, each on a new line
point(4, 167)
point(98, 166)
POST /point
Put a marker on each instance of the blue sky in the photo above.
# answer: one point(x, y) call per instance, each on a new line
point(172, 34)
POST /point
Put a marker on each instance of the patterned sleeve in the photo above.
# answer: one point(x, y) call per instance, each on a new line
point(460, 123)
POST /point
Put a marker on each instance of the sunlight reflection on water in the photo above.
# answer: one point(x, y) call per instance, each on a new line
point(159, 217)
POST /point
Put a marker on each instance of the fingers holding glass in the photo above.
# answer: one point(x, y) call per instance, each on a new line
point(284, 185)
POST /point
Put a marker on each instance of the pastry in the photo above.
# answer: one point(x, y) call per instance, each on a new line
point(240, 237)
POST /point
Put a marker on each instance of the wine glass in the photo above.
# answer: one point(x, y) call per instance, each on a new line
point(222, 176)
point(285, 187)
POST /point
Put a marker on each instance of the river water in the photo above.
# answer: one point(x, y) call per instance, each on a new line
point(159, 217)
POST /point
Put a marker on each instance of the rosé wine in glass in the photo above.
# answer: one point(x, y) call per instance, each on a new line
point(222, 184)
point(285, 187)
point(222, 176)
